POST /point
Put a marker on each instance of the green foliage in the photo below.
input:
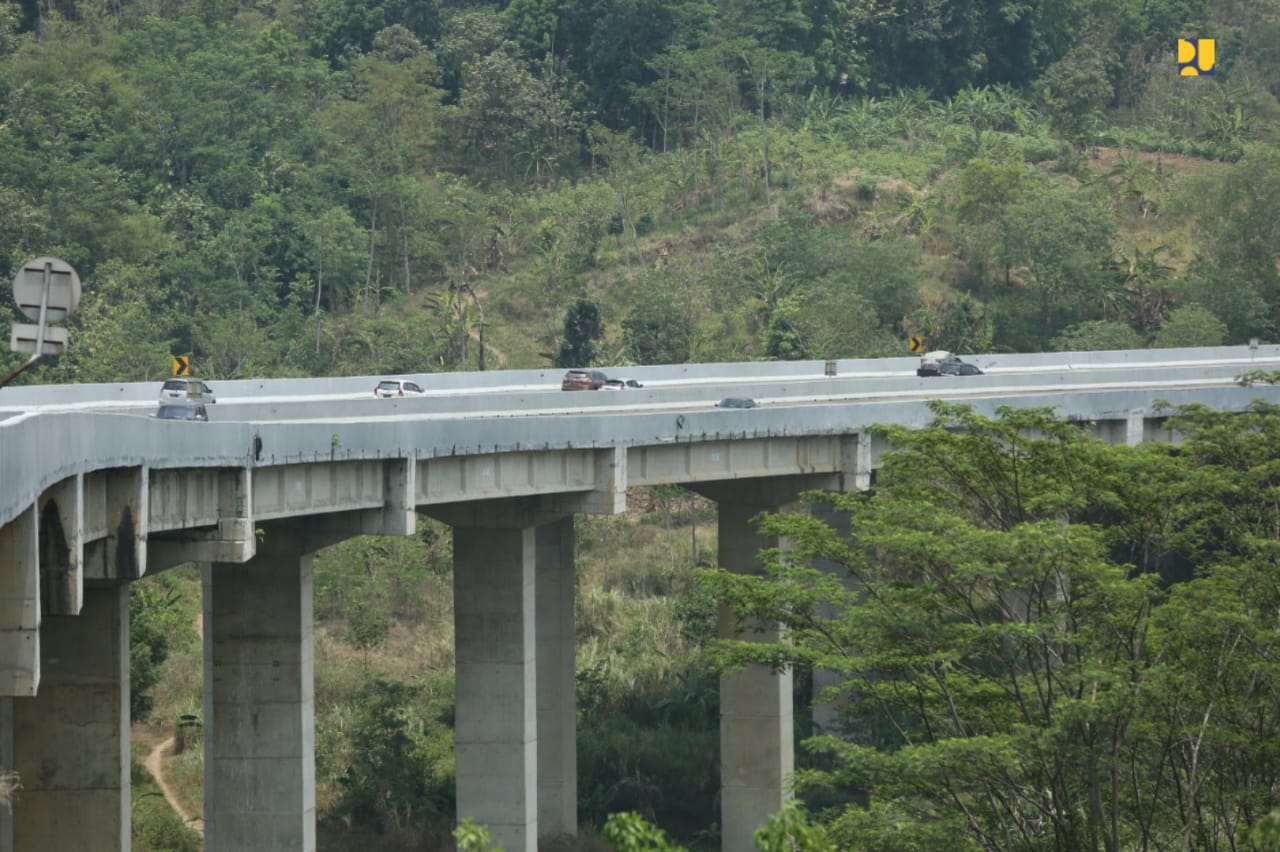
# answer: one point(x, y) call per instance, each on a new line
point(582, 328)
point(157, 624)
point(1265, 835)
point(1059, 241)
point(1252, 377)
point(999, 651)
point(1240, 282)
point(1097, 335)
point(474, 838)
point(790, 830)
point(401, 774)
point(629, 832)
point(368, 625)
point(1191, 325)
point(657, 327)
point(960, 325)
point(374, 578)
point(292, 197)
point(1075, 90)
point(654, 757)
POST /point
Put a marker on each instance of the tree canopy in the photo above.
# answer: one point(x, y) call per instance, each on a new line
point(1040, 641)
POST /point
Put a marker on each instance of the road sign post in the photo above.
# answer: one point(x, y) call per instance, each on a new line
point(47, 290)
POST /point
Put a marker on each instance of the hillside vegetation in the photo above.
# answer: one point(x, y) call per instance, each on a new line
point(344, 187)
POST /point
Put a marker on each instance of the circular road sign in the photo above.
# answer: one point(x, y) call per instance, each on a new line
point(64, 288)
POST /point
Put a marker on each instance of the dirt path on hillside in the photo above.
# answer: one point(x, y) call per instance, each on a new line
point(155, 765)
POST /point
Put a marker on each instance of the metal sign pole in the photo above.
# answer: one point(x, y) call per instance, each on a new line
point(44, 309)
point(58, 294)
point(44, 314)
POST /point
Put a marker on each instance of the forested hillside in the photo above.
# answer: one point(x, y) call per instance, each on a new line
point(349, 187)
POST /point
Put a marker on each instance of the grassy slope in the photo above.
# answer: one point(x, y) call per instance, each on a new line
point(856, 194)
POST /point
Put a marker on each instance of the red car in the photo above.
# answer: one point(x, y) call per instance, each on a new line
point(583, 380)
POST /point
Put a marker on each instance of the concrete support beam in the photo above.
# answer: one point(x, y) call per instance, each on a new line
point(557, 692)
point(119, 505)
point(231, 540)
point(757, 726)
point(259, 712)
point(510, 513)
point(399, 489)
point(71, 742)
point(20, 605)
point(62, 547)
point(609, 497)
point(855, 462)
point(495, 733)
point(1135, 427)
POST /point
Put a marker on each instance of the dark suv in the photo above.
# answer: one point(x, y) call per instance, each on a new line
point(583, 380)
point(942, 363)
point(182, 411)
point(958, 368)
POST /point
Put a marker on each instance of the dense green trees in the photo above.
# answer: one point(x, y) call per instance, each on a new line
point(281, 191)
point(1025, 661)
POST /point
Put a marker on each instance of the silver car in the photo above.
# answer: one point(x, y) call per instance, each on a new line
point(185, 388)
point(396, 387)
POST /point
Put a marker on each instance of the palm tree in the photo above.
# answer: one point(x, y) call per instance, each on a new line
point(1139, 293)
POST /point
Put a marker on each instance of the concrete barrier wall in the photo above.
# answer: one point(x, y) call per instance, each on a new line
point(500, 403)
point(27, 395)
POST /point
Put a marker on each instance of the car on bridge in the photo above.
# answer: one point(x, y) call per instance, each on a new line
point(959, 368)
point(620, 384)
point(942, 363)
point(737, 402)
point(186, 388)
point(388, 388)
point(182, 411)
point(583, 380)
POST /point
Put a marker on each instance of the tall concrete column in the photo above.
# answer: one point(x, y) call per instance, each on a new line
point(825, 714)
point(557, 695)
point(20, 605)
point(71, 741)
point(757, 728)
point(495, 729)
point(259, 710)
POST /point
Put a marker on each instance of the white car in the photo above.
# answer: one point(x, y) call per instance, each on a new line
point(620, 384)
point(186, 389)
point(388, 388)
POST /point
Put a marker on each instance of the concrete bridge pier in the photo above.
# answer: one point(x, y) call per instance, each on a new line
point(495, 716)
point(515, 728)
point(757, 726)
point(70, 742)
point(259, 692)
point(826, 715)
point(555, 636)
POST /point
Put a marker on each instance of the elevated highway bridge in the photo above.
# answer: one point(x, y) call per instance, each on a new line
point(95, 493)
